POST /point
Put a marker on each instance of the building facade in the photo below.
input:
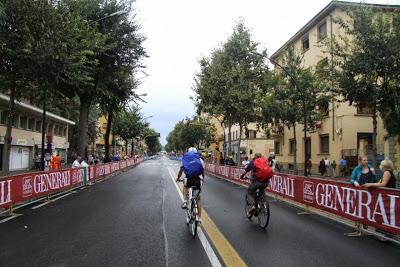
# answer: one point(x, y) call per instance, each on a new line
point(26, 144)
point(346, 130)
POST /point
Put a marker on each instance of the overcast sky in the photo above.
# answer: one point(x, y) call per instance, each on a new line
point(179, 32)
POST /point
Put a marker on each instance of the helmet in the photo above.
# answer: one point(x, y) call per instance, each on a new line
point(192, 149)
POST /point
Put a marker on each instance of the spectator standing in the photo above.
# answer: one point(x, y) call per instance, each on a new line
point(57, 162)
point(245, 162)
point(321, 167)
point(273, 163)
point(333, 167)
point(343, 166)
point(327, 164)
point(77, 162)
point(230, 161)
point(363, 173)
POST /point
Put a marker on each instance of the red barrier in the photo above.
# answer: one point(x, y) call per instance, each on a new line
point(376, 207)
point(25, 187)
point(21, 188)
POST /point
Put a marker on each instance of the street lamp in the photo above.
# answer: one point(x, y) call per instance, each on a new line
point(120, 12)
point(303, 102)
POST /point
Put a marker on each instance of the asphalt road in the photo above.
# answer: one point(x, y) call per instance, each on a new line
point(134, 219)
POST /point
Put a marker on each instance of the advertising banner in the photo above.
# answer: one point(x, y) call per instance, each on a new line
point(379, 208)
point(23, 187)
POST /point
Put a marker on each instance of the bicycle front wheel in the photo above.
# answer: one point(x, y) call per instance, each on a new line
point(264, 214)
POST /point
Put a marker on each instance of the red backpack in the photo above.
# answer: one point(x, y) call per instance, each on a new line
point(263, 170)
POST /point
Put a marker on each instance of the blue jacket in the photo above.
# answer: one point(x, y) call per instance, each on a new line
point(356, 173)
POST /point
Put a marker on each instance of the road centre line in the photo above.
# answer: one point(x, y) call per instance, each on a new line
point(227, 252)
point(204, 242)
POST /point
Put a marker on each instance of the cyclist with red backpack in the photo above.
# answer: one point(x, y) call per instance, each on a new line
point(262, 172)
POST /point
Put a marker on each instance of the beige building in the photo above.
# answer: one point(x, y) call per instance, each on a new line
point(27, 134)
point(346, 130)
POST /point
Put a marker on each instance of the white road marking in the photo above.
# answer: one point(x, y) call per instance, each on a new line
point(48, 202)
point(206, 245)
point(9, 218)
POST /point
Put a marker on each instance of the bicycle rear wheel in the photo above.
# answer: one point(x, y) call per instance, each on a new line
point(263, 214)
point(193, 220)
point(248, 207)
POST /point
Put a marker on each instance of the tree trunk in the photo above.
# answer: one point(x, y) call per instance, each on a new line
point(374, 133)
point(133, 147)
point(229, 140)
point(295, 149)
point(8, 137)
point(240, 139)
point(110, 117)
point(126, 147)
point(83, 124)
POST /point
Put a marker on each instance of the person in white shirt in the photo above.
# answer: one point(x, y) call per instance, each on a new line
point(77, 162)
point(327, 164)
point(245, 162)
point(84, 164)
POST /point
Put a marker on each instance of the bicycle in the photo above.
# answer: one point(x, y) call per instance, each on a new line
point(192, 208)
point(192, 211)
point(261, 211)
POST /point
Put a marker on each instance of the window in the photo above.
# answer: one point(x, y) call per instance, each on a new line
point(324, 144)
point(31, 124)
point(56, 129)
point(15, 122)
point(305, 43)
point(364, 110)
point(277, 147)
point(3, 117)
point(292, 146)
point(38, 126)
point(252, 134)
point(65, 131)
point(322, 31)
point(61, 131)
point(23, 122)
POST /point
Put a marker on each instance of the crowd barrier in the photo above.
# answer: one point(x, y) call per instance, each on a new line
point(378, 207)
point(18, 189)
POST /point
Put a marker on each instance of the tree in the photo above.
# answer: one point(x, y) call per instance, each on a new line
point(18, 42)
point(228, 81)
point(367, 64)
point(128, 125)
point(291, 89)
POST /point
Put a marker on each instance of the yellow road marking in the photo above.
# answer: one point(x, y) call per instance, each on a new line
point(226, 251)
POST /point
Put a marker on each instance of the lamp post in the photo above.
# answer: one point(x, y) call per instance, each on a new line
point(303, 102)
point(42, 159)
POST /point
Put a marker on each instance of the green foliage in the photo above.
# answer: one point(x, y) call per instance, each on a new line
point(368, 66)
point(187, 133)
point(128, 124)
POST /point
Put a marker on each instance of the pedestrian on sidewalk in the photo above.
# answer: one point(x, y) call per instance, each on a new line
point(327, 164)
point(333, 167)
point(322, 167)
point(343, 167)
point(363, 173)
point(308, 166)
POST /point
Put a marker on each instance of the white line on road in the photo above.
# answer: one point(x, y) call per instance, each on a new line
point(9, 218)
point(48, 202)
point(206, 245)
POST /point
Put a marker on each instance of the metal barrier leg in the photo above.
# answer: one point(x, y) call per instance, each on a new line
point(357, 231)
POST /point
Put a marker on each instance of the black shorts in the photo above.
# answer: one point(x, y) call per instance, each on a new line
point(193, 181)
